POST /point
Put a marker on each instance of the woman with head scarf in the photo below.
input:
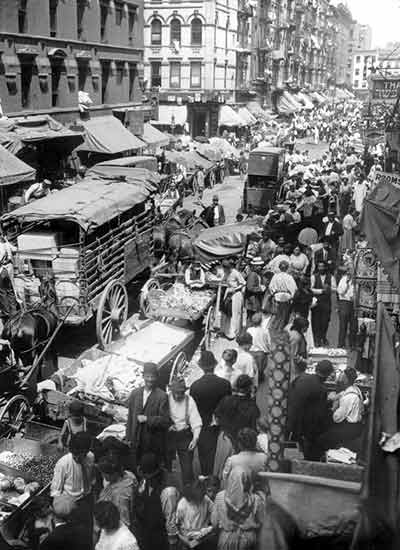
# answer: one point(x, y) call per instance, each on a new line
point(238, 512)
point(232, 301)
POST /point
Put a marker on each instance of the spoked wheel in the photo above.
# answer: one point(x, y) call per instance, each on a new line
point(15, 412)
point(208, 327)
point(178, 367)
point(112, 312)
point(152, 284)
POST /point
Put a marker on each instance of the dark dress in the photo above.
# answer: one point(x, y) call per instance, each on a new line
point(150, 529)
point(236, 412)
point(254, 292)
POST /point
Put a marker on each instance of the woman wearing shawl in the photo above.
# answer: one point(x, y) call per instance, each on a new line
point(237, 513)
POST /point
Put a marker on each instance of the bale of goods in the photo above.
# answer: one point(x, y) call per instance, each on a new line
point(179, 302)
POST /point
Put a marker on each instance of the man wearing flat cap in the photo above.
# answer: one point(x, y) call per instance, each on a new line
point(148, 417)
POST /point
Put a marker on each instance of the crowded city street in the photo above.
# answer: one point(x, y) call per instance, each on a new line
point(199, 275)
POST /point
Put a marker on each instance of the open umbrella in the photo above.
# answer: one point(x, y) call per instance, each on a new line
point(308, 236)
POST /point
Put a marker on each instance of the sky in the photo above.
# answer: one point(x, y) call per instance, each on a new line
point(382, 15)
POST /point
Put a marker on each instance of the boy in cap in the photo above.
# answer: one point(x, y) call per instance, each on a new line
point(148, 417)
point(67, 533)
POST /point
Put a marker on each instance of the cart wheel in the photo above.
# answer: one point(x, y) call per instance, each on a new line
point(152, 284)
point(208, 327)
point(178, 367)
point(112, 311)
point(15, 412)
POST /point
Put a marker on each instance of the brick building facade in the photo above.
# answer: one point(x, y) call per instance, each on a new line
point(51, 49)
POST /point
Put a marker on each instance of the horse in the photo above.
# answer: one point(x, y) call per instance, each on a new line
point(28, 330)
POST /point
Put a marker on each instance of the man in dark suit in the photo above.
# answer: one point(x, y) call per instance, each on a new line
point(332, 230)
point(148, 417)
point(208, 392)
point(68, 531)
point(325, 255)
point(214, 214)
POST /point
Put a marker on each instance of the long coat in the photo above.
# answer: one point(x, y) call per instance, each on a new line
point(254, 292)
point(151, 435)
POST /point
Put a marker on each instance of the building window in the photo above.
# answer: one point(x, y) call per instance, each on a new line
point(83, 73)
point(155, 68)
point(119, 13)
point(358, 59)
point(131, 22)
point(196, 32)
point(156, 32)
point(80, 11)
point(175, 31)
point(364, 84)
point(195, 74)
point(357, 72)
point(103, 20)
point(119, 69)
point(356, 83)
point(56, 69)
point(22, 19)
point(175, 75)
point(132, 78)
point(26, 84)
point(53, 17)
point(105, 80)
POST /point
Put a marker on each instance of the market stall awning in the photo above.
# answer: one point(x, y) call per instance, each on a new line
point(169, 115)
point(107, 135)
point(16, 132)
point(90, 202)
point(290, 97)
point(380, 223)
point(13, 170)
point(245, 114)
point(317, 97)
point(228, 117)
point(224, 147)
point(152, 136)
point(308, 104)
point(286, 105)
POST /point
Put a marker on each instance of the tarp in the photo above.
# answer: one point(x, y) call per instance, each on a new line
point(285, 106)
point(13, 170)
point(16, 132)
point(152, 136)
point(226, 149)
point(228, 117)
point(190, 159)
point(255, 108)
point(246, 116)
point(90, 202)
point(317, 97)
point(107, 135)
point(308, 104)
point(208, 151)
point(166, 112)
point(225, 240)
point(380, 221)
point(126, 170)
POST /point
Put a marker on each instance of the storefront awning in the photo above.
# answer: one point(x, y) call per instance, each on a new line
point(13, 170)
point(107, 135)
point(16, 132)
point(169, 115)
point(245, 114)
point(152, 136)
point(228, 117)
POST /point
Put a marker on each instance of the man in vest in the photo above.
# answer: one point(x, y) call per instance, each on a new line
point(322, 286)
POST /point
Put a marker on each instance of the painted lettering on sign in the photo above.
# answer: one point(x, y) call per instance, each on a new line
point(387, 177)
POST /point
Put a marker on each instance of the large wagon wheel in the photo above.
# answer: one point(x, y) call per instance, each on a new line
point(178, 367)
point(112, 312)
point(208, 327)
point(15, 412)
point(152, 284)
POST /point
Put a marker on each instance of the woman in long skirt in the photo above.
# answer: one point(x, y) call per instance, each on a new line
point(232, 302)
point(349, 224)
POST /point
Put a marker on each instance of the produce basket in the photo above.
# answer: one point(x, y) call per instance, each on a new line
point(179, 302)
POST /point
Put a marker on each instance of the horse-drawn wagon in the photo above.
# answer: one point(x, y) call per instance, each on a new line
point(86, 242)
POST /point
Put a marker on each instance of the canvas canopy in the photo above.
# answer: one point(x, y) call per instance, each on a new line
point(224, 241)
point(166, 112)
point(91, 202)
point(228, 117)
point(13, 170)
point(246, 116)
point(107, 135)
point(152, 136)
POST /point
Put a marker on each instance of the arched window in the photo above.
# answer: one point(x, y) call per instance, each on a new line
point(156, 32)
point(175, 30)
point(196, 32)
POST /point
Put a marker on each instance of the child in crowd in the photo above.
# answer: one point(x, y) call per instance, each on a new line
point(224, 369)
point(245, 363)
point(75, 423)
point(193, 517)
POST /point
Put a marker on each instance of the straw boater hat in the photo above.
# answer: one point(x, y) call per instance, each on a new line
point(257, 260)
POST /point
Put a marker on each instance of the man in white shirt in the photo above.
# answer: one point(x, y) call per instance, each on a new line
point(345, 293)
point(282, 288)
point(185, 430)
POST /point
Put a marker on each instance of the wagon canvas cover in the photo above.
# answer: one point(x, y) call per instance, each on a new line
point(225, 240)
point(14, 170)
point(91, 202)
